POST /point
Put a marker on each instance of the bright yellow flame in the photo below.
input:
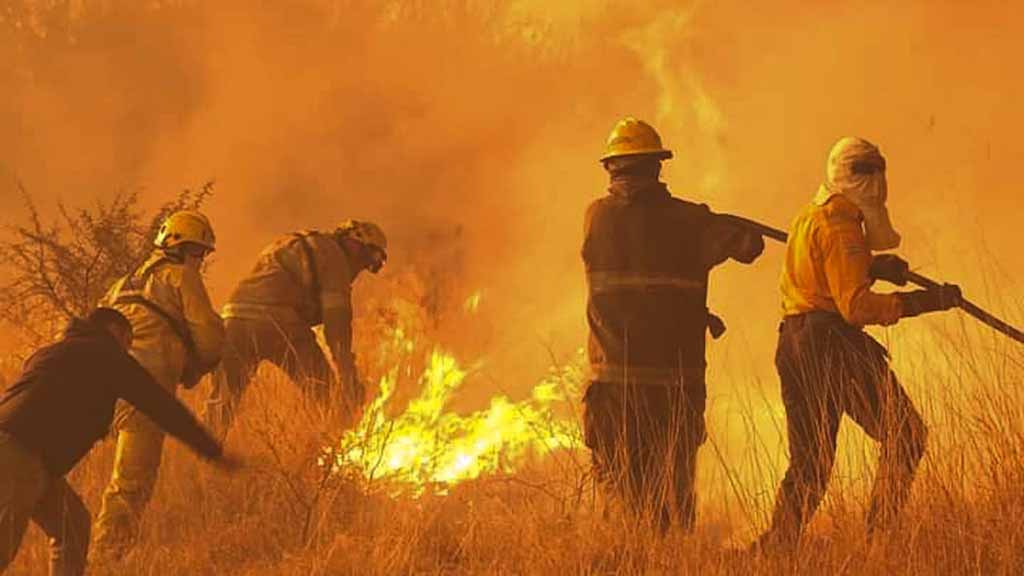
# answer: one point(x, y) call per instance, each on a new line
point(472, 304)
point(430, 447)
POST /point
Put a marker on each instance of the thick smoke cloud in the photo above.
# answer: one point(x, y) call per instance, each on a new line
point(488, 117)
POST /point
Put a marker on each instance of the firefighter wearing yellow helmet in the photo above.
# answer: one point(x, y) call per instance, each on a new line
point(648, 256)
point(178, 338)
point(300, 281)
point(634, 138)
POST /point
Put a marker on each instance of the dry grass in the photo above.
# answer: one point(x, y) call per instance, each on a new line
point(279, 517)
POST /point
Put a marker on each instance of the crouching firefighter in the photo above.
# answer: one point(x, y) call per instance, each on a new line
point(300, 281)
point(52, 415)
point(828, 366)
point(647, 256)
point(178, 338)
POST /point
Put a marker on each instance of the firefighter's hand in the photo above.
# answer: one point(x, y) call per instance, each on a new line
point(357, 394)
point(937, 299)
point(949, 296)
point(889, 267)
point(355, 400)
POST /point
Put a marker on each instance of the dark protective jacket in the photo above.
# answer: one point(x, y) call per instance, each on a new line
point(647, 257)
point(64, 400)
point(301, 280)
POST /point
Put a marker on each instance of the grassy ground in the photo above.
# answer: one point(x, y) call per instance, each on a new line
point(279, 516)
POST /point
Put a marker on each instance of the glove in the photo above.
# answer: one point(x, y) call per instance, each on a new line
point(194, 371)
point(353, 396)
point(935, 299)
point(889, 267)
point(191, 375)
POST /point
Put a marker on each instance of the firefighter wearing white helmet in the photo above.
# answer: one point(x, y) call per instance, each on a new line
point(300, 281)
point(178, 338)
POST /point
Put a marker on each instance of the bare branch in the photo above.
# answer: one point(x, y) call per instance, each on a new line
point(61, 268)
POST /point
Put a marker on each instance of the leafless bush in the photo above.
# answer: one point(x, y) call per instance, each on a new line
point(60, 268)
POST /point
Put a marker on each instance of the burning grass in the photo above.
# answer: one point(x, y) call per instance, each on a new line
point(420, 487)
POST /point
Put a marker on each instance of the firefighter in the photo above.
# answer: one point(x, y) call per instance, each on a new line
point(53, 414)
point(178, 338)
point(828, 366)
point(647, 256)
point(300, 281)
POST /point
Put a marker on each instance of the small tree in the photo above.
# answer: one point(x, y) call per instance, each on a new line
point(60, 269)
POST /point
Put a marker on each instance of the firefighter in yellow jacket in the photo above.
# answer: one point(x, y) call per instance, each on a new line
point(300, 281)
point(647, 256)
point(828, 366)
point(178, 338)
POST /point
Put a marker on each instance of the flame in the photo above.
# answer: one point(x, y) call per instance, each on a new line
point(472, 304)
point(429, 446)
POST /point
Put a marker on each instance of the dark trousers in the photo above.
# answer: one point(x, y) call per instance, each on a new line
point(28, 492)
point(644, 442)
point(294, 349)
point(828, 368)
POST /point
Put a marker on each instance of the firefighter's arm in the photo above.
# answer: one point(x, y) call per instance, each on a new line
point(204, 324)
point(846, 260)
point(588, 220)
point(338, 335)
point(725, 239)
point(138, 388)
point(336, 306)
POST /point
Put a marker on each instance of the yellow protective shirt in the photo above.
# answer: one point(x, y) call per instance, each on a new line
point(827, 262)
point(177, 289)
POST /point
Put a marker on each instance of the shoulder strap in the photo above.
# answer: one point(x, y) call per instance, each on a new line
point(180, 331)
point(314, 274)
point(134, 287)
point(137, 280)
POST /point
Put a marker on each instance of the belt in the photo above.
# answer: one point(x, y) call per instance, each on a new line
point(813, 316)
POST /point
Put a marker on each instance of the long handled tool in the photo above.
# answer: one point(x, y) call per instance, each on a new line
point(972, 309)
point(966, 305)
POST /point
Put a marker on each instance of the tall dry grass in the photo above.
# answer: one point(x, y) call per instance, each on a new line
point(282, 516)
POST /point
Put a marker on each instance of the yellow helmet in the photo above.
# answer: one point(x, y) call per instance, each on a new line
point(367, 234)
point(187, 226)
point(632, 137)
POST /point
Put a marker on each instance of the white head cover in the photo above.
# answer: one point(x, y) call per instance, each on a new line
point(856, 169)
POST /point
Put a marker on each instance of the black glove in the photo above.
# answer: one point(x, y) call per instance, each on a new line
point(354, 392)
point(889, 267)
point(194, 371)
point(935, 299)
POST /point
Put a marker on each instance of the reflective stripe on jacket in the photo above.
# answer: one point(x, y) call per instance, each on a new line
point(647, 257)
point(283, 279)
point(301, 280)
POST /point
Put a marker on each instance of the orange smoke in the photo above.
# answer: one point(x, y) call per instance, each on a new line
point(487, 118)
